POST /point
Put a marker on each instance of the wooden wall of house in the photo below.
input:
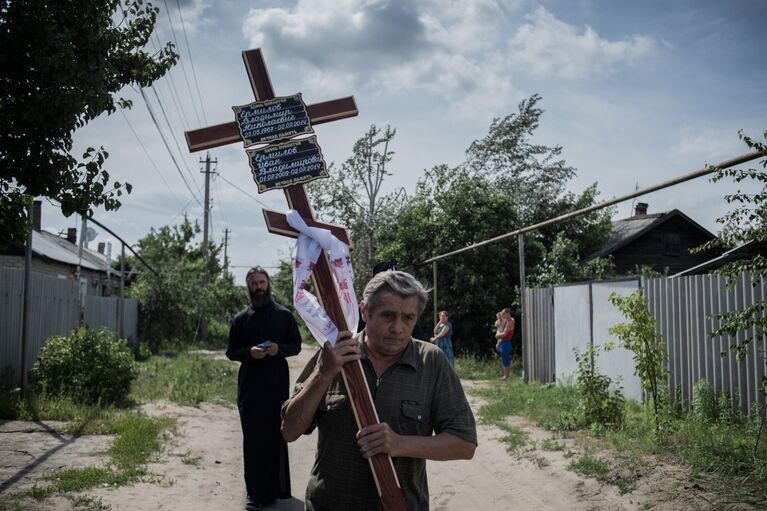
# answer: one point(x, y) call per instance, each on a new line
point(666, 246)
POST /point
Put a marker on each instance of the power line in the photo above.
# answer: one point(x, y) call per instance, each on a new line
point(154, 165)
point(175, 140)
point(243, 191)
point(182, 212)
point(181, 61)
point(173, 97)
point(170, 84)
point(162, 136)
point(191, 63)
point(220, 202)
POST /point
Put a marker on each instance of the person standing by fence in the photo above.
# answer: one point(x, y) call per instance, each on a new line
point(443, 332)
point(503, 340)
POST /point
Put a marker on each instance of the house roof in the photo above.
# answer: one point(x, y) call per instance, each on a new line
point(627, 230)
point(51, 246)
point(744, 251)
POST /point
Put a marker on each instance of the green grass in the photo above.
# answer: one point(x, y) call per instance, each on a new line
point(137, 439)
point(590, 466)
point(475, 368)
point(516, 438)
point(186, 379)
point(721, 448)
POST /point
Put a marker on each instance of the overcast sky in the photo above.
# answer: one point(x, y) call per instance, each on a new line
point(635, 93)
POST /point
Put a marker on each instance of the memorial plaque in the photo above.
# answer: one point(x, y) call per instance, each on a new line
point(273, 119)
point(287, 163)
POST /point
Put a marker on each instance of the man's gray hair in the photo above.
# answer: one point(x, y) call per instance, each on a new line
point(397, 282)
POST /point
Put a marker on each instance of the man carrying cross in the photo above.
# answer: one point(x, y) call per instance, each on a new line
point(422, 408)
point(287, 162)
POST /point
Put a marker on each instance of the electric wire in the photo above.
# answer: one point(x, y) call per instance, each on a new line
point(182, 212)
point(175, 140)
point(243, 191)
point(181, 61)
point(173, 92)
point(191, 63)
point(216, 191)
point(151, 160)
point(162, 136)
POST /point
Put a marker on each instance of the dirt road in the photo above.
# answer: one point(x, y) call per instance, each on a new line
point(201, 469)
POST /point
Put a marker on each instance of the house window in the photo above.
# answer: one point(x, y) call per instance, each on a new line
point(671, 245)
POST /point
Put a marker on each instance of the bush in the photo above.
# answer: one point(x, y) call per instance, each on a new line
point(599, 405)
point(90, 366)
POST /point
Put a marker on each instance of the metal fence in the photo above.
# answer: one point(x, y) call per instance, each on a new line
point(54, 310)
point(683, 308)
point(538, 350)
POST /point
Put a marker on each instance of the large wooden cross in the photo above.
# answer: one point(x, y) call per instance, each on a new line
point(359, 394)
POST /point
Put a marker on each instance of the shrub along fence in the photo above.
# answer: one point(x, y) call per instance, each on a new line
point(560, 318)
point(54, 310)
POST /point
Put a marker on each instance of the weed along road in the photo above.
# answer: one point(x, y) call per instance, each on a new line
point(199, 466)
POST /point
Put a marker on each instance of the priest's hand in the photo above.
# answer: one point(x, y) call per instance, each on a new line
point(377, 439)
point(257, 353)
point(273, 349)
point(332, 359)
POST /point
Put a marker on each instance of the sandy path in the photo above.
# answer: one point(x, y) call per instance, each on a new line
point(201, 468)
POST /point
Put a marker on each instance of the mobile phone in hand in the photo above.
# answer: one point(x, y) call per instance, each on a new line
point(264, 345)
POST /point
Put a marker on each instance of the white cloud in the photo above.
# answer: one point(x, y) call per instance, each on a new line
point(547, 46)
point(711, 145)
point(467, 52)
point(444, 48)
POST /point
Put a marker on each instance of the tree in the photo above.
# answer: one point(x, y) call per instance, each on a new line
point(452, 210)
point(170, 303)
point(640, 337)
point(353, 196)
point(562, 264)
point(533, 175)
point(747, 222)
point(61, 63)
point(506, 183)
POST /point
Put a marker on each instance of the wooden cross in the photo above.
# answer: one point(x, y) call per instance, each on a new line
point(359, 393)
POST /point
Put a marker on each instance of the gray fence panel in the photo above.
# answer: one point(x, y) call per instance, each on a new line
point(572, 328)
point(685, 310)
point(11, 289)
point(618, 363)
point(54, 310)
point(130, 321)
point(539, 335)
point(104, 311)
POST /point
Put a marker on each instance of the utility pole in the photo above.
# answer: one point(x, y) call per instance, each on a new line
point(205, 277)
point(226, 246)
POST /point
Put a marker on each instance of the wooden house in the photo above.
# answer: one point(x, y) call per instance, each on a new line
point(59, 257)
point(661, 241)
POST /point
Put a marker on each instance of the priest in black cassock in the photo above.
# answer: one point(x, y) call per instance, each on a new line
point(260, 337)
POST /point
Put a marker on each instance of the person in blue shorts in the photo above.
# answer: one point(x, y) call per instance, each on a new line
point(504, 332)
point(443, 332)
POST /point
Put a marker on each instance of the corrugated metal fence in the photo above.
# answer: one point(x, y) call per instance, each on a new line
point(53, 311)
point(682, 307)
point(538, 351)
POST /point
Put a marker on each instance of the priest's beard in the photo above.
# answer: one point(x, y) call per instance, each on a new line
point(261, 298)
